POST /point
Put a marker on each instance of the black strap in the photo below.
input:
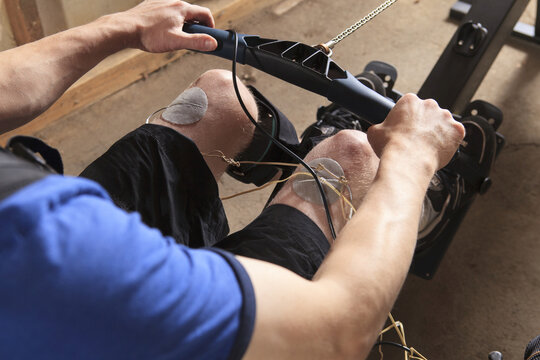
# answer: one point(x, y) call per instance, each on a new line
point(27, 147)
point(16, 173)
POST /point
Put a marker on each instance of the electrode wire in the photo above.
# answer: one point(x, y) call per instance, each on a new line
point(154, 113)
point(320, 167)
point(263, 186)
point(277, 143)
point(395, 344)
point(409, 352)
point(344, 200)
point(237, 163)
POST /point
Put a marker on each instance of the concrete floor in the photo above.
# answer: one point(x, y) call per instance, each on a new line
point(485, 294)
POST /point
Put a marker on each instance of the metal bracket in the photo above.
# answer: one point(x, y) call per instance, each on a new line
point(470, 38)
point(524, 31)
point(455, 78)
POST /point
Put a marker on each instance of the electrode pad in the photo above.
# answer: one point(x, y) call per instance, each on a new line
point(188, 108)
point(306, 187)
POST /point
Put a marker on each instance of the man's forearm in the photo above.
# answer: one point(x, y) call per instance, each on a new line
point(372, 254)
point(339, 314)
point(342, 310)
point(34, 75)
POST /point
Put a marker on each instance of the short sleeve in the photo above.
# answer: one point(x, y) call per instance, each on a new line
point(81, 278)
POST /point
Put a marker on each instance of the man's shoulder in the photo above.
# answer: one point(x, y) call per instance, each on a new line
point(71, 257)
point(52, 189)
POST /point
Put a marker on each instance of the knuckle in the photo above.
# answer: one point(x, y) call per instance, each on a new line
point(447, 115)
point(460, 128)
point(431, 103)
point(407, 98)
point(180, 5)
point(217, 77)
point(373, 131)
point(349, 136)
point(352, 142)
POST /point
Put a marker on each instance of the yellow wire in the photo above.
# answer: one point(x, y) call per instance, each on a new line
point(339, 193)
point(400, 330)
point(264, 186)
point(319, 167)
point(236, 163)
point(269, 163)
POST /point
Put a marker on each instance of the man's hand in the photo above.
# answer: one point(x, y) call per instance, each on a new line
point(346, 304)
point(421, 129)
point(158, 26)
point(33, 76)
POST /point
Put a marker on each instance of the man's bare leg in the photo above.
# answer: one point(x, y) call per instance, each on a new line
point(155, 172)
point(351, 149)
point(224, 127)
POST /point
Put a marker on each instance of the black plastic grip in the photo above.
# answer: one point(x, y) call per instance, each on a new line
point(225, 39)
point(303, 66)
point(358, 98)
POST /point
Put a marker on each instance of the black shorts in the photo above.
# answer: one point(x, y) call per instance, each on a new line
point(161, 174)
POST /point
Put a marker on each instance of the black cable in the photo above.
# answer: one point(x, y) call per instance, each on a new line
point(395, 344)
point(277, 143)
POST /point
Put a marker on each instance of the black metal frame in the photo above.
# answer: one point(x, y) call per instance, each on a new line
point(457, 75)
point(485, 27)
point(525, 31)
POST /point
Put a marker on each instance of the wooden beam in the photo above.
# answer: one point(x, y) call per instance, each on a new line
point(286, 6)
point(53, 16)
point(238, 9)
point(124, 68)
point(24, 19)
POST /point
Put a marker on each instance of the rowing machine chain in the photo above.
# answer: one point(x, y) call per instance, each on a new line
point(327, 47)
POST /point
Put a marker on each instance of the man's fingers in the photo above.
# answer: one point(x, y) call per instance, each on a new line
point(200, 42)
point(202, 15)
point(460, 129)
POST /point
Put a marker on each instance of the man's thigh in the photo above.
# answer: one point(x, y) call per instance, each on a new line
point(161, 174)
point(161, 171)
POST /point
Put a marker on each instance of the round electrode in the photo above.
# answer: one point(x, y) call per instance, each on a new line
point(188, 108)
point(327, 169)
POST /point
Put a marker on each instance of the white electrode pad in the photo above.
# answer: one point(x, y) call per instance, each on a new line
point(306, 187)
point(188, 108)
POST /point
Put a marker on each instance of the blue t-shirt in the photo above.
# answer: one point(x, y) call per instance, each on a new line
point(82, 279)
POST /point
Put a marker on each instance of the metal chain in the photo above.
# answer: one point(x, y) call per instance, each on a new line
point(360, 23)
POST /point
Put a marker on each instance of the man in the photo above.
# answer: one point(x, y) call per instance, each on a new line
point(81, 278)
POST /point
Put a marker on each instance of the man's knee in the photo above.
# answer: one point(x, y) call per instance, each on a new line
point(353, 142)
point(352, 151)
point(224, 127)
point(218, 79)
point(347, 146)
point(218, 85)
point(223, 103)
